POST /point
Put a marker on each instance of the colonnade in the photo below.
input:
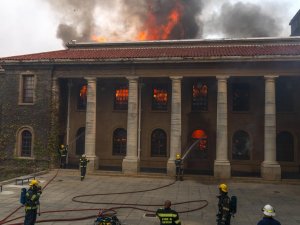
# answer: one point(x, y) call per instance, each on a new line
point(270, 169)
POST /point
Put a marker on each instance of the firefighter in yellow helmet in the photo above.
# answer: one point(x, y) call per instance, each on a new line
point(83, 161)
point(179, 167)
point(32, 202)
point(224, 214)
point(63, 152)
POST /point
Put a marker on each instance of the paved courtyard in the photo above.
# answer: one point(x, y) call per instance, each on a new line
point(252, 196)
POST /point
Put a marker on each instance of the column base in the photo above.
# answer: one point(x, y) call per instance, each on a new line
point(130, 165)
point(270, 171)
point(222, 169)
point(92, 164)
point(171, 168)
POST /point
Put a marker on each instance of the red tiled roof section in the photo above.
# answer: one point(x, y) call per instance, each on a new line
point(163, 52)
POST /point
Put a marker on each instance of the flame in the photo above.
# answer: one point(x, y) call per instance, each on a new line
point(83, 92)
point(98, 38)
point(157, 26)
point(152, 30)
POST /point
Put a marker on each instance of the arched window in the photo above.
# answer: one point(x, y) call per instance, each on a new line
point(119, 141)
point(241, 145)
point(158, 143)
point(26, 143)
point(285, 146)
point(201, 149)
point(80, 141)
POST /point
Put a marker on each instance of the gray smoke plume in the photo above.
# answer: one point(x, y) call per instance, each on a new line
point(120, 20)
point(246, 20)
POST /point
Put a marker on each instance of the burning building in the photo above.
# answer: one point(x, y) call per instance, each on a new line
point(132, 106)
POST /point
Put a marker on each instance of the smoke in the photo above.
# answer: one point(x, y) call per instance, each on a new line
point(119, 20)
point(247, 20)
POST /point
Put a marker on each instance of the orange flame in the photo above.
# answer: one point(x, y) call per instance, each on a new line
point(98, 38)
point(153, 31)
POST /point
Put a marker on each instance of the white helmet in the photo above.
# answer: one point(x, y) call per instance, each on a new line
point(268, 210)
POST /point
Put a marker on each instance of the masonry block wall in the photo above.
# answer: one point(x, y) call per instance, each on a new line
point(15, 116)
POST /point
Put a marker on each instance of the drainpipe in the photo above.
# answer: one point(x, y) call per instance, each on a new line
point(68, 118)
point(139, 120)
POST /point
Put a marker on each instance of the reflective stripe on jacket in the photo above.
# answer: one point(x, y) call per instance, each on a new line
point(168, 216)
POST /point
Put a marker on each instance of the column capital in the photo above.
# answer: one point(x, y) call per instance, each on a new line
point(271, 77)
point(175, 77)
point(220, 77)
point(132, 78)
point(91, 79)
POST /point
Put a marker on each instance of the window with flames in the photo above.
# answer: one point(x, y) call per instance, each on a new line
point(160, 98)
point(121, 98)
point(82, 97)
point(200, 97)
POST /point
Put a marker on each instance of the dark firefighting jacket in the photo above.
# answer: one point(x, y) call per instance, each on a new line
point(32, 198)
point(83, 162)
point(224, 209)
point(168, 216)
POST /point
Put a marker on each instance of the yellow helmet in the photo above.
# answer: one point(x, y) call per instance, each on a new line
point(223, 187)
point(33, 183)
point(178, 156)
point(62, 146)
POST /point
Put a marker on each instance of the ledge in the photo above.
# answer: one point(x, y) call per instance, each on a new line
point(2, 71)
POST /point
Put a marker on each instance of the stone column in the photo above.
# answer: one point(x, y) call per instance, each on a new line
point(54, 130)
point(90, 124)
point(222, 167)
point(175, 135)
point(131, 162)
point(270, 169)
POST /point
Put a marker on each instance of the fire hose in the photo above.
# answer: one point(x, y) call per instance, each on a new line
point(111, 210)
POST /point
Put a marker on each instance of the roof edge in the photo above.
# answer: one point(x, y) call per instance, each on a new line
point(225, 41)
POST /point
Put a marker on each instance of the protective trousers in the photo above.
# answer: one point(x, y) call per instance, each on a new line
point(83, 172)
point(30, 216)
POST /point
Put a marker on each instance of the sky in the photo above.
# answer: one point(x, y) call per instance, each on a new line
point(31, 26)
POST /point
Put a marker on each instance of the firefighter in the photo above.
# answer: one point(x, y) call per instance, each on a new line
point(63, 151)
point(167, 215)
point(179, 167)
point(83, 163)
point(269, 213)
point(32, 202)
point(224, 214)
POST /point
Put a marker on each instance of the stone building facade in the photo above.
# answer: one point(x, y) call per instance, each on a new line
point(134, 106)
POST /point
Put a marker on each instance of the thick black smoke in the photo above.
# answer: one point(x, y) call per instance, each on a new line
point(247, 20)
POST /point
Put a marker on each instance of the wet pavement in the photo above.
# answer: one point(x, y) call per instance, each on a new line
point(252, 195)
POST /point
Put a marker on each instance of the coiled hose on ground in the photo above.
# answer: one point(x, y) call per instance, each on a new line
point(111, 210)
